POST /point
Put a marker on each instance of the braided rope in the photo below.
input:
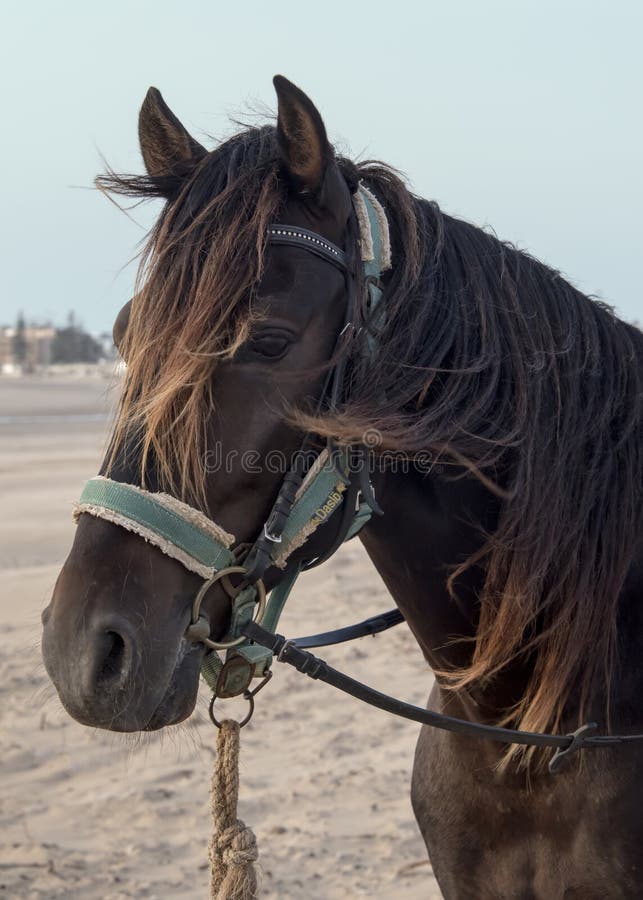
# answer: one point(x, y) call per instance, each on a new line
point(233, 848)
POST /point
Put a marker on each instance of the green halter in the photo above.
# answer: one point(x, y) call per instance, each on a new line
point(204, 548)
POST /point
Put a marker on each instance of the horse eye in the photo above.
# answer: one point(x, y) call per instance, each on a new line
point(272, 345)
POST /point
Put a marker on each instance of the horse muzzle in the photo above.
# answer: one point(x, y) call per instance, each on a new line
point(113, 638)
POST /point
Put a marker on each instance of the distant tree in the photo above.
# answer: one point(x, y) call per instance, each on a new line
point(19, 342)
point(72, 344)
point(107, 343)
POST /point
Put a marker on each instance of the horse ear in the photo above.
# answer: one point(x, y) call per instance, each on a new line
point(167, 147)
point(121, 323)
point(301, 134)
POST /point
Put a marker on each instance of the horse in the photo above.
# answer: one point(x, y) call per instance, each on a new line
point(511, 538)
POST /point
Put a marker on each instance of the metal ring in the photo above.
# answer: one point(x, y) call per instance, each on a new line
point(240, 552)
point(249, 696)
point(205, 587)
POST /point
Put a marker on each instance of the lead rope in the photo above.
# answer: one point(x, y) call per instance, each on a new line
point(233, 848)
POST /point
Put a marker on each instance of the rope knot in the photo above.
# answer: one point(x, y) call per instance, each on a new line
point(233, 848)
point(237, 845)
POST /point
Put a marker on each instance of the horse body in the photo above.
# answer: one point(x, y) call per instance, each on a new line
point(511, 534)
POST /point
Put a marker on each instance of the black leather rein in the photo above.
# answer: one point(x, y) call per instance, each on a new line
point(293, 653)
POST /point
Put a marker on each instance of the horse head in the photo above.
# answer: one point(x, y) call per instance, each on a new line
point(227, 340)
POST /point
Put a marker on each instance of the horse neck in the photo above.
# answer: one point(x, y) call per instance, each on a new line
point(429, 526)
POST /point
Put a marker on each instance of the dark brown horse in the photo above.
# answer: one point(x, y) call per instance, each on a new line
point(514, 549)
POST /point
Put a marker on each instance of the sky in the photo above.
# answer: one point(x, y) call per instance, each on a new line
point(523, 116)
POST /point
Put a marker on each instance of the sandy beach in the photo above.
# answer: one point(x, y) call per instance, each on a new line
point(90, 814)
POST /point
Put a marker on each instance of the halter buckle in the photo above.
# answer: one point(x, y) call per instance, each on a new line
point(576, 743)
point(270, 535)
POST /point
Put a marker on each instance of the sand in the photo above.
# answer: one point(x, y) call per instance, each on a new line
point(89, 814)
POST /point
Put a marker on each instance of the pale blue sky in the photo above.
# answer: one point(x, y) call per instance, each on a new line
point(524, 116)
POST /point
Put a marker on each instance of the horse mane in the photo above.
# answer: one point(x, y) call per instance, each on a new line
point(487, 359)
point(193, 304)
point(493, 364)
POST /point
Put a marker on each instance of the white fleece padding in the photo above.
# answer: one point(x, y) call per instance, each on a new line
point(312, 472)
point(165, 546)
point(188, 513)
point(365, 235)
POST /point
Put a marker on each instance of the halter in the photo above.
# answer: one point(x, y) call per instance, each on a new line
point(335, 485)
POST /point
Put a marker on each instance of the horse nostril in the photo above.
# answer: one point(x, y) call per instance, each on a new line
point(113, 656)
point(111, 667)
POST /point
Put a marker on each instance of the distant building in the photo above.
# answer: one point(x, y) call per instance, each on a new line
point(38, 339)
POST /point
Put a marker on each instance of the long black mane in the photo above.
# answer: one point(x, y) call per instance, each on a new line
point(493, 362)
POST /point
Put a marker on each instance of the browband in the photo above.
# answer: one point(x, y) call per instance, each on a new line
point(309, 240)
